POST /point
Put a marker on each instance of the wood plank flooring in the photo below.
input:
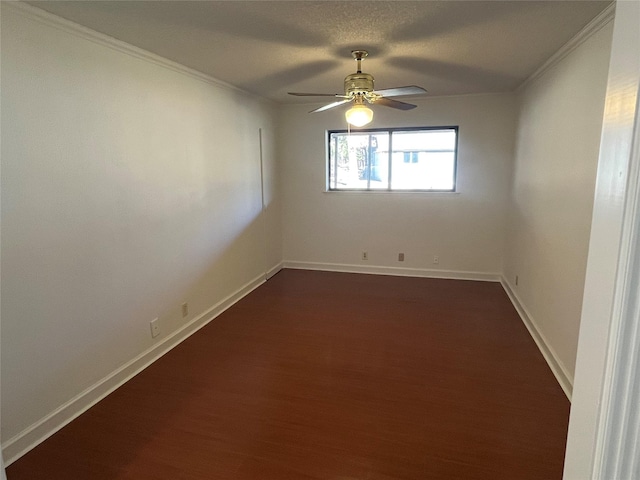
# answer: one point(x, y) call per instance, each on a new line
point(333, 376)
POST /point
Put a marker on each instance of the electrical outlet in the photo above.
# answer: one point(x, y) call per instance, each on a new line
point(365, 256)
point(401, 257)
point(155, 328)
point(185, 309)
point(516, 280)
point(436, 259)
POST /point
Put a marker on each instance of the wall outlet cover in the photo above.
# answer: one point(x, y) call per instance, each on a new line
point(155, 328)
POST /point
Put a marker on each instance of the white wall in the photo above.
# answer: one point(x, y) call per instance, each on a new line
point(3, 475)
point(558, 136)
point(604, 427)
point(128, 187)
point(464, 229)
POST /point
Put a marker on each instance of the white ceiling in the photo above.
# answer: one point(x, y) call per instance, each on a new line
point(272, 47)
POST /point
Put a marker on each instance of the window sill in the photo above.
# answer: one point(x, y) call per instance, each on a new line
point(390, 192)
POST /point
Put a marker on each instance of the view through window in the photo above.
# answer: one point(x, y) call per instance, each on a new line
point(408, 159)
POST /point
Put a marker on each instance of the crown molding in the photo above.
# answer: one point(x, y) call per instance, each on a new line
point(86, 33)
point(582, 36)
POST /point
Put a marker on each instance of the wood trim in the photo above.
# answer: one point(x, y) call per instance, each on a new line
point(35, 434)
point(331, 375)
point(273, 270)
point(616, 450)
point(582, 36)
point(618, 430)
point(555, 364)
point(604, 420)
point(86, 33)
point(396, 271)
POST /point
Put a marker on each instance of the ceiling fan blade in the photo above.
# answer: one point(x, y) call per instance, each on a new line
point(331, 105)
point(315, 94)
point(387, 102)
point(399, 91)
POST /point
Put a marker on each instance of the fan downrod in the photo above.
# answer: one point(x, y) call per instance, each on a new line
point(359, 88)
point(358, 55)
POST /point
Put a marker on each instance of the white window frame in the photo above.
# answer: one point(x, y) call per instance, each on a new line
point(390, 131)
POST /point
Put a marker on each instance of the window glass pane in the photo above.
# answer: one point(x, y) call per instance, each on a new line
point(425, 140)
point(422, 159)
point(359, 161)
point(379, 161)
point(431, 171)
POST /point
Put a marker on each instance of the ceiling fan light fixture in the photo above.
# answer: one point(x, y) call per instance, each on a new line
point(359, 115)
point(358, 88)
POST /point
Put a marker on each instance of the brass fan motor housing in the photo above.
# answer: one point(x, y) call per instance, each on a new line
point(358, 89)
point(358, 83)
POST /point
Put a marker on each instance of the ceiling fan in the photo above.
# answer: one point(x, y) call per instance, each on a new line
point(358, 89)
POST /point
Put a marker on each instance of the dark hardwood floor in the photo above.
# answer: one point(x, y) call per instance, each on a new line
point(319, 375)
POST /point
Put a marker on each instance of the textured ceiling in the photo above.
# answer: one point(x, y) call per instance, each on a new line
point(272, 47)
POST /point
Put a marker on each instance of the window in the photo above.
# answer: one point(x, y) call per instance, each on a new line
point(393, 159)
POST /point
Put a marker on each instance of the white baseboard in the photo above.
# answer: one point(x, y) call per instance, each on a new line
point(557, 367)
point(35, 434)
point(273, 270)
point(397, 271)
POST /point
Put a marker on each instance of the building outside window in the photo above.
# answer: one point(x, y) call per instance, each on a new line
point(394, 159)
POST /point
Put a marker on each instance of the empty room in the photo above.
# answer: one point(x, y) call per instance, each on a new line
point(320, 240)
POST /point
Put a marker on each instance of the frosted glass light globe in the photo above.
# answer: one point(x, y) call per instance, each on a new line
point(359, 115)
